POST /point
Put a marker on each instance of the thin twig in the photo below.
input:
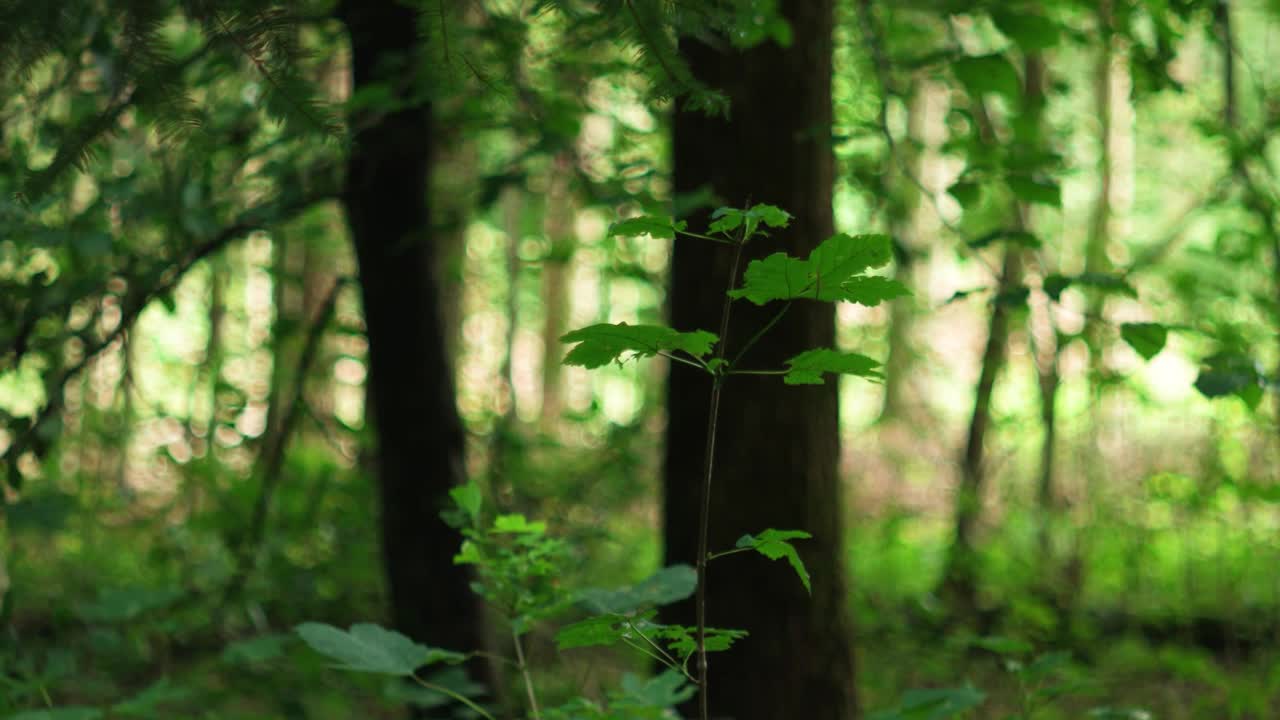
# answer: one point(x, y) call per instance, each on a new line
point(455, 695)
point(524, 672)
point(272, 457)
point(167, 280)
point(704, 518)
point(761, 333)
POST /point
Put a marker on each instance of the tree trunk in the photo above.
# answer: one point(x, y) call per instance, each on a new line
point(958, 586)
point(779, 444)
point(419, 434)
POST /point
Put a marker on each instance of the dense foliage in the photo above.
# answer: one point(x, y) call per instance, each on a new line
point(324, 326)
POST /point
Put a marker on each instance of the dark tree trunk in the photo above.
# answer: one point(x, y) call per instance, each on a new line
point(778, 447)
point(419, 435)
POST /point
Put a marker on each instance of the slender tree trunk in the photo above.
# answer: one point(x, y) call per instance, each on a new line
point(960, 575)
point(905, 219)
point(777, 465)
point(555, 286)
point(1258, 201)
point(502, 438)
point(959, 579)
point(419, 434)
point(1096, 260)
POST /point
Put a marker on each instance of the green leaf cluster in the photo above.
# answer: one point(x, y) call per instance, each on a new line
point(833, 272)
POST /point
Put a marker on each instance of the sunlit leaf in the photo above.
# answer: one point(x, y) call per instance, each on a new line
point(468, 498)
point(658, 227)
point(727, 219)
point(518, 524)
point(833, 272)
point(601, 344)
point(808, 367)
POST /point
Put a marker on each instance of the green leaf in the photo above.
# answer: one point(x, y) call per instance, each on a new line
point(833, 272)
point(1030, 31)
point(668, 585)
point(968, 194)
point(658, 227)
point(1146, 339)
point(1230, 373)
point(593, 632)
point(92, 244)
point(1045, 665)
point(683, 639)
point(1003, 646)
point(1035, 191)
point(599, 345)
point(1055, 284)
point(933, 704)
point(255, 651)
point(145, 703)
point(988, 74)
point(1013, 237)
point(774, 544)
point(518, 524)
point(808, 367)
point(124, 604)
point(1106, 283)
point(664, 690)
point(373, 649)
point(727, 219)
point(468, 498)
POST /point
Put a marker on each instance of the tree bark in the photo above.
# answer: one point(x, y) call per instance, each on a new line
point(419, 435)
point(779, 446)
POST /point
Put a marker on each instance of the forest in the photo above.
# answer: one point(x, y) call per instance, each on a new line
point(640, 359)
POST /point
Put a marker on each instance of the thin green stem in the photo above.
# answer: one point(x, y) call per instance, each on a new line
point(692, 363)
point(666, 659)
point(649, 653)
point(524, 673)
point(704, 519)
point(727, 553)
point(456, 696)
point(757, 372)
point(761, 333)
point(700, 236)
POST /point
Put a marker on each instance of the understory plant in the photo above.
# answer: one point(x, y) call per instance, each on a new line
point(517, 562)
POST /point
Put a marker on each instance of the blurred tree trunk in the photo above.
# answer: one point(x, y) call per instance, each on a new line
point(503, 440)
point(779, 445)
point(904, 213)
point(419, 434)
point(1095, 259)
point(959, 584)
point(555, 285)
